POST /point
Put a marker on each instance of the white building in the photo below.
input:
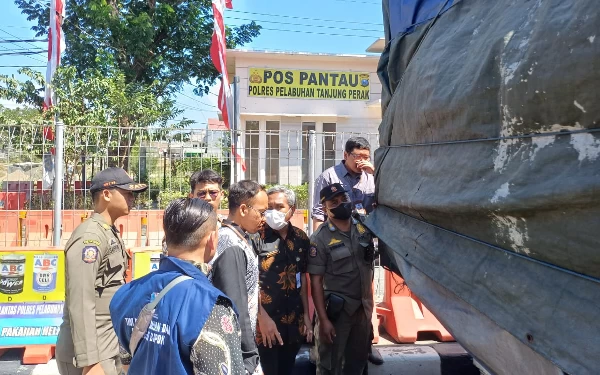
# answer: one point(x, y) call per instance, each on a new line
point(283, 95)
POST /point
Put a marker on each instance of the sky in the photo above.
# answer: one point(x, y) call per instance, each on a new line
point(324, 26)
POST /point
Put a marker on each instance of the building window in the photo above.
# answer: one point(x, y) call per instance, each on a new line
point(328, 145)
point(252, 150)
point(306, 127)
point(272, 160)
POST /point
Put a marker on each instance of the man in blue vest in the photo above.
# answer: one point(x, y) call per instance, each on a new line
point(193, 328)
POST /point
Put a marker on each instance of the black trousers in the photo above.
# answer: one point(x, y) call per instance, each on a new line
point(278, 360)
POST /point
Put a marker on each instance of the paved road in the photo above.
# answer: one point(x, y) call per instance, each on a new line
point(435, 359)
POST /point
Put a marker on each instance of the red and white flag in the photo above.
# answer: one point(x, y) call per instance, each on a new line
point(218, 51)
point(56, 45)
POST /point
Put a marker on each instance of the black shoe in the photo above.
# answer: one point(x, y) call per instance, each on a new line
point(375, 357)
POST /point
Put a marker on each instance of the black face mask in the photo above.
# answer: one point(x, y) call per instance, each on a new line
point(343, 211)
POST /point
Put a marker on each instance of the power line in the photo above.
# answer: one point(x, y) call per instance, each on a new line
point(317, 33)
point(20, 53)
point(358, 2)
point(23, 66)
point(304, 18)
point(303, 25)
point(33, 58)
point(187, 96)
point(23, 40)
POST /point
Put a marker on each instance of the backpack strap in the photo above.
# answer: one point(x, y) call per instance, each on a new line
point(145, 317)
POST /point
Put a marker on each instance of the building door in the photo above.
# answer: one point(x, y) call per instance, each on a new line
point(306, 127)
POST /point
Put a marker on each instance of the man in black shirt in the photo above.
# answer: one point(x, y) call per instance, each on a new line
point(283, 318)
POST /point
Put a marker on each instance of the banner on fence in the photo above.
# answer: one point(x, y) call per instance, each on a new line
point(144, 262)
point(308, 84)
point(30, 323)
point(32, 276)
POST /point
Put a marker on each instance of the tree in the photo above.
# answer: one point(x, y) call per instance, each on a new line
point(164, 43)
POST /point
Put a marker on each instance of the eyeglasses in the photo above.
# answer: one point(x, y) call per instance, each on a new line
point(360, 157)
point(262, 214)
point(213, 193)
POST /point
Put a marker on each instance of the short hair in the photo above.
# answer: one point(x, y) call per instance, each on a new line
point(357, 143)
point(187, 221)
point(243, 192)
point(205, 176)
point(289, 194)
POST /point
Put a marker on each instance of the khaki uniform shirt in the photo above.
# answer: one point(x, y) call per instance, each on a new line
point(96, 263)
point(346, 263)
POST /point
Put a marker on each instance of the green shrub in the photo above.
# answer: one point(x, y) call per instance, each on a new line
point(166, 196)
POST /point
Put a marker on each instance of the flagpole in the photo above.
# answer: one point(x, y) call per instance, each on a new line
point(58, 180)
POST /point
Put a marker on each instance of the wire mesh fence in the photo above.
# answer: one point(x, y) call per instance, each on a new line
point(160, 157)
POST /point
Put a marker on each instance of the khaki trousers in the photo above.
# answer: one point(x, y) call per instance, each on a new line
point(110, 366)
point(349, 352)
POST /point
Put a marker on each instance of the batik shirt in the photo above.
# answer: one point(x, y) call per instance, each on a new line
point(282, 263)
point(235, 272)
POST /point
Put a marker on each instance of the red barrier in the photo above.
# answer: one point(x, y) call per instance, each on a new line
point(405, 316)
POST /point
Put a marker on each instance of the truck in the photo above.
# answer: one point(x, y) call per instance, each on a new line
point(488, 175)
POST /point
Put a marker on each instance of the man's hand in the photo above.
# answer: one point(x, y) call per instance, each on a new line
point(93, 370)
point(307, 330)
point(327, 331)
point(366, 166)
point(268, 329)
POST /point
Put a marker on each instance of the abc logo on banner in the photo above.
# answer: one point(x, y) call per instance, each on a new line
point(44, 272)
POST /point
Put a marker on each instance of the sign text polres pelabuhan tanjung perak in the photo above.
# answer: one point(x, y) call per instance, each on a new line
point(308, 84)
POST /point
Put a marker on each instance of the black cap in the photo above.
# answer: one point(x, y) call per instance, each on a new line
point(328, 192)
point(114, 177)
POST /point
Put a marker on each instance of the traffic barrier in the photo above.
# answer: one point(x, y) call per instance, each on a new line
point(31, 300)
point(39, 226)
point(405, 316)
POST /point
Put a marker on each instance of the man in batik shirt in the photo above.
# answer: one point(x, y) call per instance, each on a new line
point(283, 318)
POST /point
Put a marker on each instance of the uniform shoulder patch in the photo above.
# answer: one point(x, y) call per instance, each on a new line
point(93, 242)
point(89, 254)
point(312, 252)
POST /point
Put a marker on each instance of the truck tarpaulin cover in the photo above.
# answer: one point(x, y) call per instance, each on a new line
point(488, 175)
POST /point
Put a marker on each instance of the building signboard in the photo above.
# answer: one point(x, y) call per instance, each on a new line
point(308, 84)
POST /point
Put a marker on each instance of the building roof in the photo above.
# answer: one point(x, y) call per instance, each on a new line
point(377, 46)
point(216, 124)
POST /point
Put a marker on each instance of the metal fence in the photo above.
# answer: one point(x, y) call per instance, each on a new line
point(163, 158)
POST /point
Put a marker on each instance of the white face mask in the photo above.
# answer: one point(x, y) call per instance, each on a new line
point(276, 219)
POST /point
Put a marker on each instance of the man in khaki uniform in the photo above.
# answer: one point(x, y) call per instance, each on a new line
point(340, 264)
point(96, 263)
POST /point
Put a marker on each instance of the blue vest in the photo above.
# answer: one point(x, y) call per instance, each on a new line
point(177, 322)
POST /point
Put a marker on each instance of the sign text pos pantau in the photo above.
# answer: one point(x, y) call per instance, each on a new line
point(308, 84)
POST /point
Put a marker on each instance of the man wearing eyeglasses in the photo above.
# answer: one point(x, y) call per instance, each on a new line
point(355, 174)
point(207, 185)
point(235, 265)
